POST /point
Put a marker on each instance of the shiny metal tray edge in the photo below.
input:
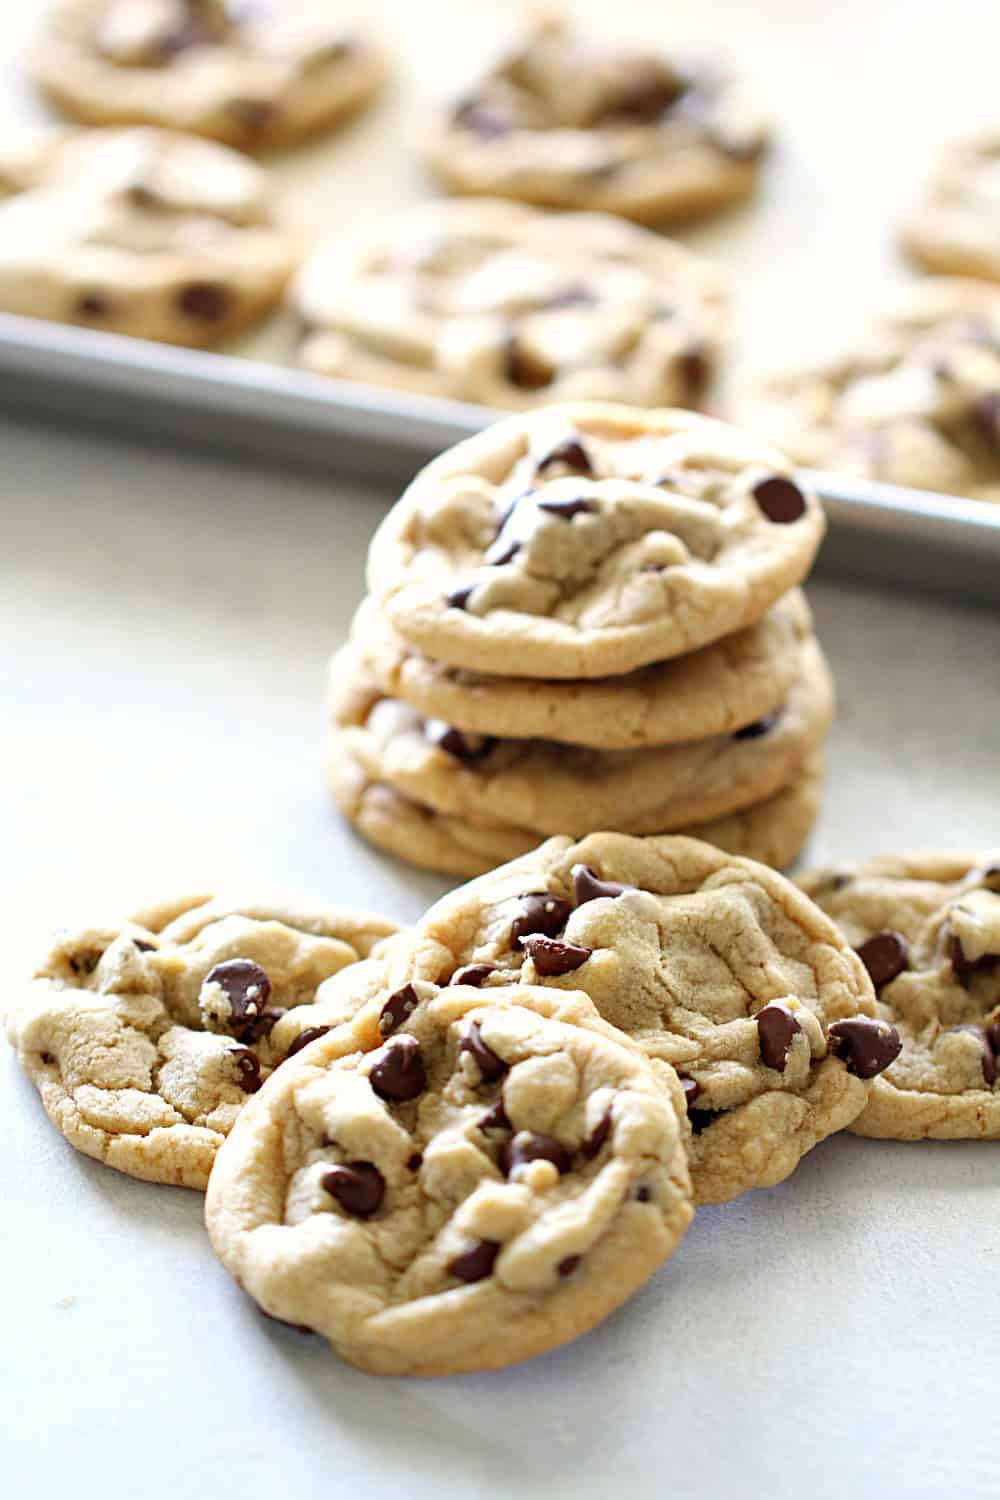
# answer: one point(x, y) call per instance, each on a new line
point(243, 408)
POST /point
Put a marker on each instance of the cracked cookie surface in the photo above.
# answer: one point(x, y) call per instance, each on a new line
point(927, 925)
point(511, 307)
point(555, 787)
point(590, 539)
point(722, 687)
point(138, 231)
point(569, 122)
point(916, 400)
point(254, 75)
point(955, 228)
point(145, 1039)
point(712, 963)
point(491, 1181)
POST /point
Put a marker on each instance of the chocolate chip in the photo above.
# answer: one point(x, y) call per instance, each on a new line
point(248, 1068)
point(691, 1087)
point(884, 956)
point(776, 1026)
point(595, 1140)
point(478, 118)
point(246, 987)
point(399, 1073)
point(458, 598)
point(567, 509)
point(92, 305)
point(397, 1009)
point(867, 1046)
point(986, 415)
point(491, 1067)
point(204, 301)
point(475, 1264)
point(758, 728)
point(965, 967)
point(473, 974)
point(696, 370)
point(526, 1147)
point(522, 370)
point(993, 1032)
point(415, 1162)
point(642, 1195)
point(780, 499)
point(985, 1041)
point(143, 946)
point(494, 1119)
point(468, 748)
point(310, 1034)
point(701, 1119)
point(571, 453)
point(252, 114)
point(501, 552)
point(551, 957)
point(46, 1058)
point(569, 1264)
point(359, 1187)
point(539, 912)
point(590, 887)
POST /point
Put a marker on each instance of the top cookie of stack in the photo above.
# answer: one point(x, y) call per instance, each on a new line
point(586, 618)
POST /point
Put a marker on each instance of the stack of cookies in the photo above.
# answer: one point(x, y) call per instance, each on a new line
point(586, 618)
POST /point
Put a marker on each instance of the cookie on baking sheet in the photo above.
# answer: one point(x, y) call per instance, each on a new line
point(715, 964)
point(915, 402)
point(590, 539)
point(138, 231)
point(255, 75)
point(553, 787)
point(569, 122)
point(508, 306)
point(927, 926)
point(145, 1039)
point(492, 1181)
point(955, 227)
point(772, 831)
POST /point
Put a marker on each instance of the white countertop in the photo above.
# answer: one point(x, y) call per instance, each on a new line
point(166, 622)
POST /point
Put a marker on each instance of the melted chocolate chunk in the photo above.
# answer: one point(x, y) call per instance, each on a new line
point(590, 887)
point(884, 956)
point(248, 1068)
point(310, 1034)
point(571, 453)
point(204, 301)
point(780, 499)
point(965, 968)
point(993, 1032)
point(47, 1058)
point(696, 371)
point(398, 1008)
point(569, 1264)
point(501, 552)
point(595, 1140)
point(491, 1067)
point(642, 1194)
point(524, 371)
point(701, 1119)
point(480, 119)
point(868, 1047)
point(92, 305)
point(551, 957)
point(526, 1147)
point(691, 1087)
point(986, 415)
point(415, 1162)
point(467, 748)
point(494, 1119)
point(567, 509)
point(399, 1074)
point(539, 912)
point(359, 1188)
point(475, 1264)
point(246, 987)
point(143, 946)
point(776, 1026)
point(458, 597)
point(758, 728)
point(985, 1041)
point(473, 974)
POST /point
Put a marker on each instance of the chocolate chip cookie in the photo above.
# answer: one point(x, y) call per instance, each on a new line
point(491, 1181)
point(146, 1038)
point(712, 963)
point(956, 226)
point(510, 307)
point(723, 687)
point(588, 540)
point(551, 787)
point(916, 402)
point(254, 75)
point(572, 123)
point(139, 231)
point(772, 831)
point(927, 928)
